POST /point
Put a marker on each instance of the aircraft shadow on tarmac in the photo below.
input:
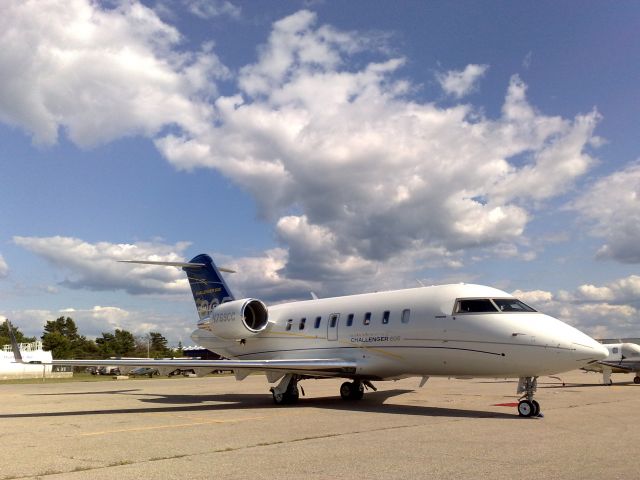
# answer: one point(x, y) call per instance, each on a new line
point(372, 403)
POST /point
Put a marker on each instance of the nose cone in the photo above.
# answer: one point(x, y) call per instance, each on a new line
point(589, 350)
point(573, 349)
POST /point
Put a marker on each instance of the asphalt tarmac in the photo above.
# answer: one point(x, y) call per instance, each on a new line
point(215, 427)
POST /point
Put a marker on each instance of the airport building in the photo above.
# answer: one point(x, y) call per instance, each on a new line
point(31, 352)
point(202, 353)
point(620, 340)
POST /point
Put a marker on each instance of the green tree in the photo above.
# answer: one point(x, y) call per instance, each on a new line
point(63, 325)
point(159, 347)
point(121, 343)
point(5, 339)
point(61, 337)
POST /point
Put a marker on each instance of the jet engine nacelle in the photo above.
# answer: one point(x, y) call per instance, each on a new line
point(238, 319)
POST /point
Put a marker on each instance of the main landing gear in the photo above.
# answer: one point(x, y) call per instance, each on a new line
point(636, 379)
point(528, 407)
point(355, 390)
point(352, 390)
point(287, 392)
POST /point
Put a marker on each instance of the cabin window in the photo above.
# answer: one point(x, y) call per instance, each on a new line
point(475, 305)
point(512, 305)
point(317, 324)
point(289, 323)
point(406, 315)
point(615, 349)
point(385, 317)
point(333, 320)
point(367, 318)
point(350, 320)
point(302, 322)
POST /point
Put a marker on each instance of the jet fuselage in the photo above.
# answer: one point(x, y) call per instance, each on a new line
point(415, 332)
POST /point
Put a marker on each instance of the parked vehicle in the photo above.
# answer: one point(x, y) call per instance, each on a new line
point(142, 371)
point(103, 370)
point(180, 371)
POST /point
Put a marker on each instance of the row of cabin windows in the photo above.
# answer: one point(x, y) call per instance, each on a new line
point(366, 320)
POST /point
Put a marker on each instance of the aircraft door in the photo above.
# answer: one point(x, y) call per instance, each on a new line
point(332, 326)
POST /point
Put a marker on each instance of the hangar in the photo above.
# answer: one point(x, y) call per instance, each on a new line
point(31, 352)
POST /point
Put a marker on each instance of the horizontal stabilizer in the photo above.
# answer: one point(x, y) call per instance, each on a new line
point(175, 264)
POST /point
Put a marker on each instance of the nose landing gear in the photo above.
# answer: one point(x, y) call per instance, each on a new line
point(528, 407)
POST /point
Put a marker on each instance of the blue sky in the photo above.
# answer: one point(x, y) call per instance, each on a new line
point(334, 147)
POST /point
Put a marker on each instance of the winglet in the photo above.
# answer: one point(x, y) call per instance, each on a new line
point(14, 344)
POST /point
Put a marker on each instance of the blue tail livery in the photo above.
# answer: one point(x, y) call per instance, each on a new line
point(207, 285)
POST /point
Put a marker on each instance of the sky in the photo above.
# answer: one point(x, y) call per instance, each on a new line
point(317, 146)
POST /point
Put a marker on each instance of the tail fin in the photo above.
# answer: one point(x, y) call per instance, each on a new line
point(207, 285)
point(14, 343)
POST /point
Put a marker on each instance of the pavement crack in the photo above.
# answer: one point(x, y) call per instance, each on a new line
point(121, 463)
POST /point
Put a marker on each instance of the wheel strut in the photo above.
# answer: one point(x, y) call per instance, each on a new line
point(528, 407)
point(286, 392)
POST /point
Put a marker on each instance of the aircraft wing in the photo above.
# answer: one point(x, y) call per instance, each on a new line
point(321, 367)
point(315, 367)
point(626, 365)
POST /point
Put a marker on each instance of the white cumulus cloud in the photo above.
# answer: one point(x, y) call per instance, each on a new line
point(603, 311)
point(330, 143)
point(98, 73)
point(459, 83)
point(4, 268)
point(95, 266)
point(612, 207)
point(208, 9)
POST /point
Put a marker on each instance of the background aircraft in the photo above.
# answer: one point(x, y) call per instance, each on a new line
point(622, 358)
point(456, 330)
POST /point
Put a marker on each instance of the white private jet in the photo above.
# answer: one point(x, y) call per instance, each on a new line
point(447, 330)
point(622, 358)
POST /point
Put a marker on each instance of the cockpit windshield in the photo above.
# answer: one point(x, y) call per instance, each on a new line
point(489, 305)
point(475, 305)
point(512, 305)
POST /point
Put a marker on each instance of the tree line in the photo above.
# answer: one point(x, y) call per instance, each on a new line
point(61, 337)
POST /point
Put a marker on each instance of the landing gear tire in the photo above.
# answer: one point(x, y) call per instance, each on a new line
point(636, 379)
point(291, 395)
point(278, 398)
point(526, 408)
point(352, 391)
point(536, 408)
